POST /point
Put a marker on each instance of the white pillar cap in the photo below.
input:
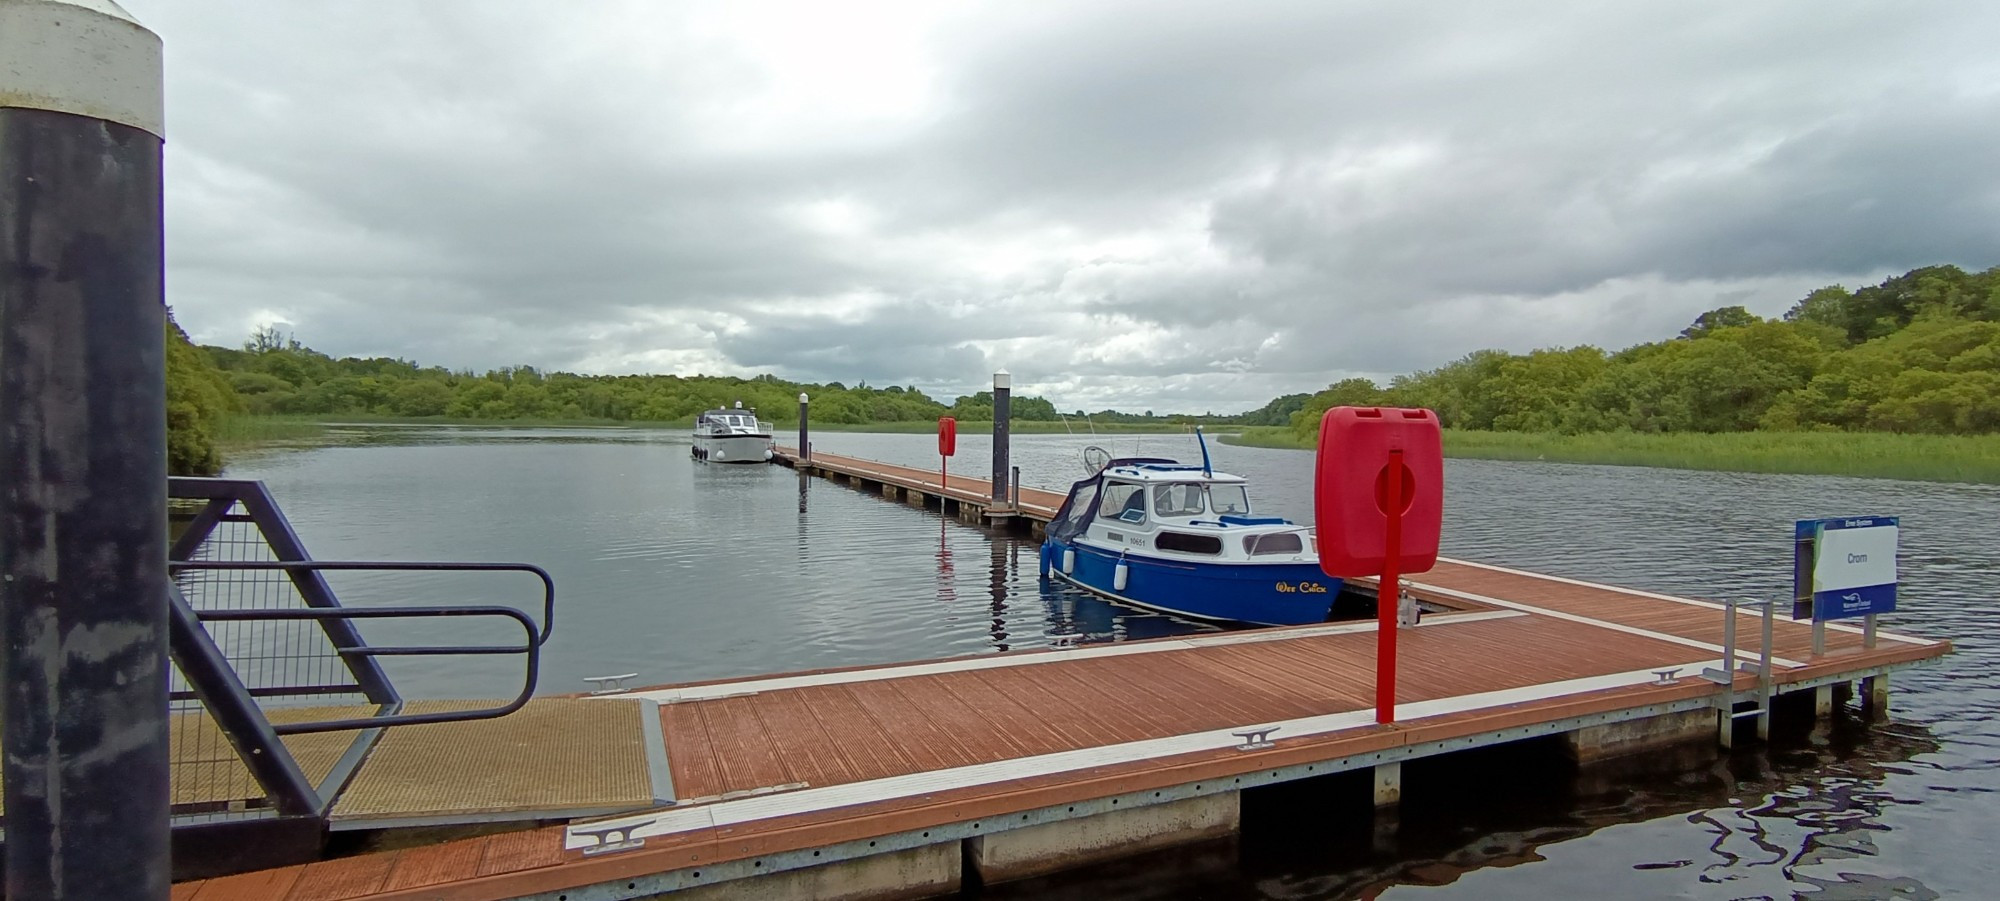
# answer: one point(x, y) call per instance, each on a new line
point(802, 397)
point(82, 57)
point(1002, 380)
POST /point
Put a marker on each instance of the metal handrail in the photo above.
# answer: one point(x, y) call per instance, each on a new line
point(532, 648)
point(547, 627)
point(1725, 678)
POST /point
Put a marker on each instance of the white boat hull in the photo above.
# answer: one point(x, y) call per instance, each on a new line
point(733, 448)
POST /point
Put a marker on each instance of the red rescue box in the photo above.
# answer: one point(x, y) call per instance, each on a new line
point(947, 436)
point(1350, 488)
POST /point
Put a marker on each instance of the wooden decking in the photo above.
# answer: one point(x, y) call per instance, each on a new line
point(967, 492)
point(789, 771)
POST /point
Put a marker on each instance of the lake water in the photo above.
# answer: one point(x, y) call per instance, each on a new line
point(681, 571)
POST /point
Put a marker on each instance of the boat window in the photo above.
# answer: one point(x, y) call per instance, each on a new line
point(1124, 502)
point(1228, 499)
point(1280, 543)
point(1177, 500)
point(1188, 544)
point(1079, 512)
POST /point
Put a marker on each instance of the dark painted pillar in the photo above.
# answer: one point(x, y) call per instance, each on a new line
point(804, 448)
point(83, 525)
point(1003, 414)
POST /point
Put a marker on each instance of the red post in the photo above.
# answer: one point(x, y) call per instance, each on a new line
point(1388, 595)
point(947, 446)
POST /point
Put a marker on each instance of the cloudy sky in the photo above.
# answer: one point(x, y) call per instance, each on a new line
point(1134, 205)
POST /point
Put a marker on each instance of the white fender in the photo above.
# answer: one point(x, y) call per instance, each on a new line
point(1118, 575)
point(1069, 560)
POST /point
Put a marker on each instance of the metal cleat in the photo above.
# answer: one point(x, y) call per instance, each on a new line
point(608, 845)
point(1666, 676)
point(1254, 739)
point(609, 685)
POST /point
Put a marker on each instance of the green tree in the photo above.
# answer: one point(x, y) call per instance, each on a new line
point(198, 396)
point(1720, 318)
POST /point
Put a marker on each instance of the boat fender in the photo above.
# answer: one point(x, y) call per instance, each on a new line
point(1069, 560)
point(1118, 575)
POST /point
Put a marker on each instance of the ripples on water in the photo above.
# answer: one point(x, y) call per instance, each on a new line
point(682, 571)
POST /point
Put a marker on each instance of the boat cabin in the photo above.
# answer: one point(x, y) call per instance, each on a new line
point(1160, 505)
point(723, 420)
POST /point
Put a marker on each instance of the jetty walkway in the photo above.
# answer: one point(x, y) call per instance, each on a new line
point(891, 781)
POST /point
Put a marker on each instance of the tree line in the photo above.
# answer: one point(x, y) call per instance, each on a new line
point(1919, 352)
point(275, 374)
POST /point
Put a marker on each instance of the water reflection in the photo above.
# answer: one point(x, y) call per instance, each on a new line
point(998, 584)
point(1515, 822)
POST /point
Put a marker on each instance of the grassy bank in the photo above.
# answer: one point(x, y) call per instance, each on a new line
point(1266, 436)
point(248, 431)
point(525, 423)
point(1021, 427)
point(251, 430)
point(922, 426)
point(1937, 458)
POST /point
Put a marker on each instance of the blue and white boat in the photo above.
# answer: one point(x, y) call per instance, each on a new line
point(1183, 539)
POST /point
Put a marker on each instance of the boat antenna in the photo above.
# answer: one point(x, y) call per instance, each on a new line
point(1206, 472)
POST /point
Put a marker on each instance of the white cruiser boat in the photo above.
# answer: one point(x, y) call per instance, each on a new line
point(726, 435)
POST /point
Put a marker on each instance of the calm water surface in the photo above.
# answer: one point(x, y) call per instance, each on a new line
point(682, 571)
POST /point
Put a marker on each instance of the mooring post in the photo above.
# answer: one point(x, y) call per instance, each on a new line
point(1875, 696)
point(83, 432)
point(1003, 410)
point(1725, 714)
point(805, 450)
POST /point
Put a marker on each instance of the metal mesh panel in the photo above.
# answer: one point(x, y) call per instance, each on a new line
point(284, 664)
point(281, 662)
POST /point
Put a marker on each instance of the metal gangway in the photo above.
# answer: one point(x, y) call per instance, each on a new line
point(286, 727)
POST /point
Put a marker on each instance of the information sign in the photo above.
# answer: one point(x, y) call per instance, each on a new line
point(1845, 567)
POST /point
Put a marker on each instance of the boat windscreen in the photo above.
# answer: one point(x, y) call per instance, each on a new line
point(1076, 510)
point(1178, 499)
point(1228, 499)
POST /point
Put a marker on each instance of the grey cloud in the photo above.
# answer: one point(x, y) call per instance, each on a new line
point(1294, 192)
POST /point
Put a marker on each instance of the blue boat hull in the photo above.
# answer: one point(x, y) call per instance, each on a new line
point(1265, 594)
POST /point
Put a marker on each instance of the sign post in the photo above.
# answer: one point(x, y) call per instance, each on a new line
point(1389, 591)
point(1843, 568)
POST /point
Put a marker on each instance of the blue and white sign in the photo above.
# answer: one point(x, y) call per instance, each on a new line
point(1853, 565)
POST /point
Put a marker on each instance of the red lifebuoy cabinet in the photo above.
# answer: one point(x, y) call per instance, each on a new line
point(1378, 498)
point(947, 436)
point(1350, 490)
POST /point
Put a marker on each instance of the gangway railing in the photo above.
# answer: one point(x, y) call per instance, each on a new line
point(530, 649)
point(254, 622)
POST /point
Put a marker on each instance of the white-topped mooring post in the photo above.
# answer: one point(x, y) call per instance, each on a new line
point(1003, 411)
point(805, 452)
point(83, 474)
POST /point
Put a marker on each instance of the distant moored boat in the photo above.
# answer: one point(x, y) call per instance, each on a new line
point(726, 435)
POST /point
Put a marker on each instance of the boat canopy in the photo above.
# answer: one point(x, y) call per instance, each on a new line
point(1081, 505)
point(1179, 493)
